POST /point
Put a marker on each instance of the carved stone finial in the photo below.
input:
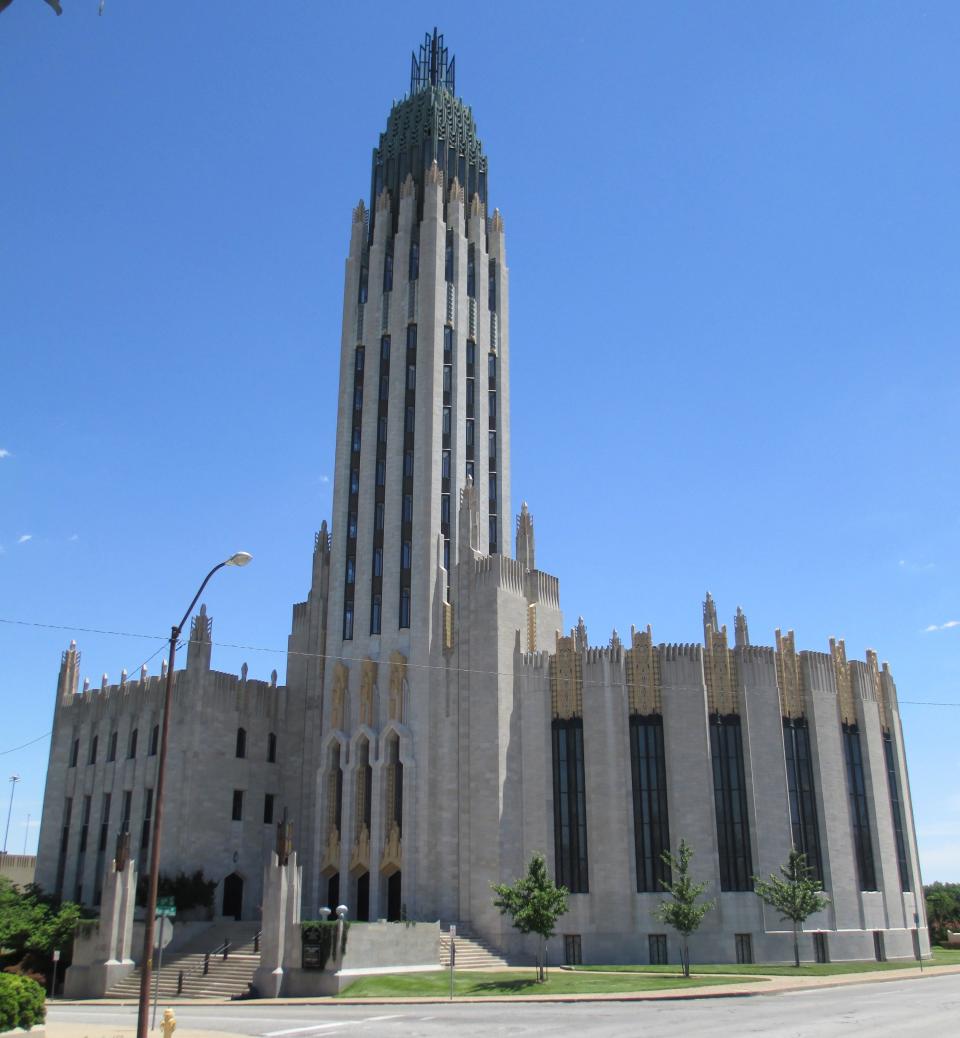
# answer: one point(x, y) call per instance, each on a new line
point(456, 191)
point(123, 677)
point(122, 853)
point(496, 222)
point(284, 846)
point(360, 212)
point(243, 672)
point(709, 616)
point(615, 642)
point(741, 636)
point(104, 681)
point(408, 189)
point(383, 201)
point(163, 668)
point(273, 679)
point(476, 206)
point(580, 635)
point(525, 545)
point(434, 176)
point(86, 684)
point(143, 674)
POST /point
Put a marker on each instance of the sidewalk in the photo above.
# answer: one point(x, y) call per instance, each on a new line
point(759, 985)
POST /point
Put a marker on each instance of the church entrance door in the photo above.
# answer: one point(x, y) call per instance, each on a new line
point(233, 896)
point(363, 897)
point(394, 907)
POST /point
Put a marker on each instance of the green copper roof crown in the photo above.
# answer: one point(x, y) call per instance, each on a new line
point(429, 124)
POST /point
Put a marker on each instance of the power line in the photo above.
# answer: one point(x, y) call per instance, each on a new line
point(335, 658)
point(24, 745)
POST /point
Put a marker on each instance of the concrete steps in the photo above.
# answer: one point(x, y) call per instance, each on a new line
point(473, 953)
point(225, 978)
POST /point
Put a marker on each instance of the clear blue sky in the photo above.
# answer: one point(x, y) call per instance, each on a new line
point(734, 239)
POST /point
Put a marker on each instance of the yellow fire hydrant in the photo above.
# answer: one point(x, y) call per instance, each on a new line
point(169, 1023)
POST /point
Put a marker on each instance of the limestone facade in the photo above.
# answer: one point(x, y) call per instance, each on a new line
point(437, 727)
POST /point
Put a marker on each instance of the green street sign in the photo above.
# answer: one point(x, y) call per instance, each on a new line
point(166, 907)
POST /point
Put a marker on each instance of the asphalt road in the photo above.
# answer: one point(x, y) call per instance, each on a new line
point(924, 1006)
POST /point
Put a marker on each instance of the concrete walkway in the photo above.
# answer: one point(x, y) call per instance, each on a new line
point(759, 985)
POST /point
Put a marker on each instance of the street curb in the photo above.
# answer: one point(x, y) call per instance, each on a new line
point(781, 986)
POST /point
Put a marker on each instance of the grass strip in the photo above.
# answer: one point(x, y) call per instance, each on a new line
point(476, 983)
point(941, 957)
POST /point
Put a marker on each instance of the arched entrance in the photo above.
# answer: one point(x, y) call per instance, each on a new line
point(233, 896)
point(394, 904)
point(333, 891)
point(363, 897)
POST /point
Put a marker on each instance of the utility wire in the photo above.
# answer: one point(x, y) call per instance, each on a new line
point(344, 659)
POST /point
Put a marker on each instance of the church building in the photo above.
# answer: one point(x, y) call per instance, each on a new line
point(439, 724)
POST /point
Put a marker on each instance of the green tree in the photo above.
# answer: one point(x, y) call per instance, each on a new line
point(943, 908)
point(684, 911)
point(534, 904)
point(33, 924)
point(796, 896)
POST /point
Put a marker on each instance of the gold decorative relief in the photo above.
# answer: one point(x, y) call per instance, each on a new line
point(566, 680)
point(338, 696)
point(643, 674)
point(841, 673)
point(392, 859)
point(360, 854)
point(398, 679)
point(789, 676)
point(720, 672)
point(368, 680)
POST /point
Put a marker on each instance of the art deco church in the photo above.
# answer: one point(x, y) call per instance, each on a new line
point(437, 727)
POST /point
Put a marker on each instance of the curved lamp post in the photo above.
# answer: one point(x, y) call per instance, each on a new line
point(240, 558)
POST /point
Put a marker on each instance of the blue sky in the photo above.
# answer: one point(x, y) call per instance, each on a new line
point(734, 240)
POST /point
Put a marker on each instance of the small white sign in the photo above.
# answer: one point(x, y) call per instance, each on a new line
point(56, 955)
point(453, 930)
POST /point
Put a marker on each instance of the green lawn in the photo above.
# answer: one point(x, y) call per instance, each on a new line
point(941, 957)
point(473, 983)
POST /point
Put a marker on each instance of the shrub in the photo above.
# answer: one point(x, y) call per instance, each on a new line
point(21, 1002)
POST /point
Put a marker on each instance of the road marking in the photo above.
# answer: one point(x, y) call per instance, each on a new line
point(332, 1023)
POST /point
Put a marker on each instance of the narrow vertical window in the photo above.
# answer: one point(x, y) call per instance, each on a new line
point(803, 802)
point(92, 759)
point(268, 809)
point(414, 271)
point(241, 742)
point(651, 832)
point(112, 747)
point(569, 805)
point(154, 740)
point(859, 808)
point(896, 811)
point(448, 256)
point(74, 753)
point(272, 748)
point(64, 843)
point(471, 272)
point(236, 813)
point(132, 746)
point(730, 803)
point(492, 294)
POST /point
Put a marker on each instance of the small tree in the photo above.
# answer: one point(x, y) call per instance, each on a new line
point(534, 904)
point(796, 896)
point(682, 911)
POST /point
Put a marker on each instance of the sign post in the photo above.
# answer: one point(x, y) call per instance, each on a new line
point(453, 956)
point(53, 981)
point(166, 909)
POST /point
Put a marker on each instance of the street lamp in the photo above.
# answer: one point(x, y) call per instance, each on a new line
point(240, 558)
point(14, 779)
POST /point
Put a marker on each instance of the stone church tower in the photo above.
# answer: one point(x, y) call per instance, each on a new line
point(437, 727)
point(421, 493)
